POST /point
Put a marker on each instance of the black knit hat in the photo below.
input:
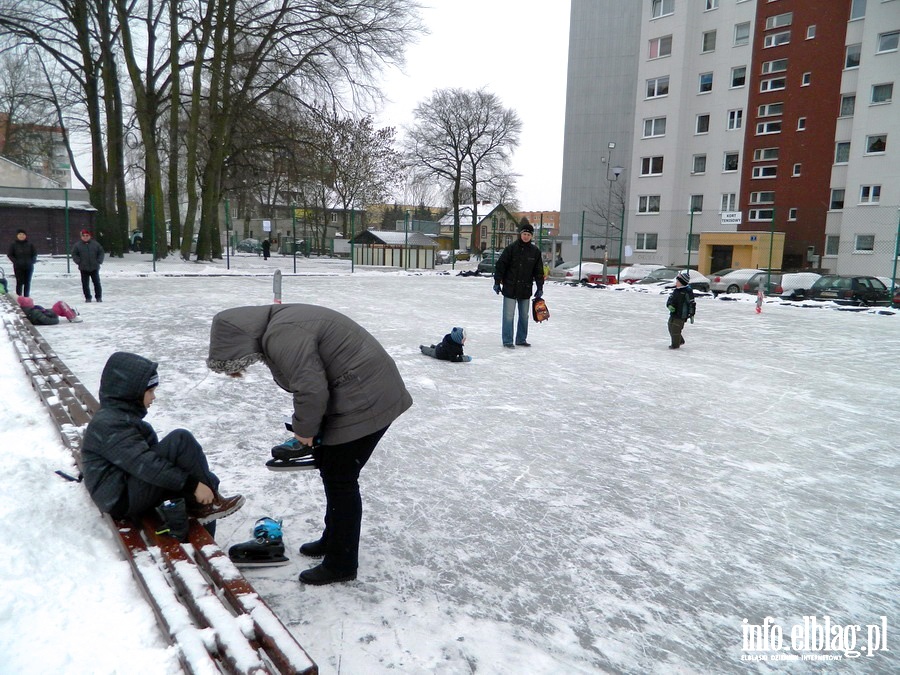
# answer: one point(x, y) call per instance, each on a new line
point(683, 278)
point(526, 227)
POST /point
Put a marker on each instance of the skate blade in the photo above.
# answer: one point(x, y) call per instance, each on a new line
point(243, 564)
point(280, 465)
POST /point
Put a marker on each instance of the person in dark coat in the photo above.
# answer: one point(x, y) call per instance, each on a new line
point(22, 254)
point(266, 248)
point(88, 255)
point(127, 470)
point(681, 306)
point(347, 391)
point(450, 348)
point(517, 269)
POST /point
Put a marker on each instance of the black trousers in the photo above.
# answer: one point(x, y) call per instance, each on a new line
point(184, 451)
point(23, 279)
point(339, 467)
point(94, 277)
point(676, 325)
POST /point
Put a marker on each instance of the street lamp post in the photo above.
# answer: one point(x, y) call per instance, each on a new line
point(617, 171)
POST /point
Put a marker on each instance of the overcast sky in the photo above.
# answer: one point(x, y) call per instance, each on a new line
point(517, 49)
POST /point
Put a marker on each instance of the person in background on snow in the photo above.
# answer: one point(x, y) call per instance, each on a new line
point(681, 307)
point(450, 348)
point(347, 391)
point(518, 267)
point(127, 470)
point(88, 255)
point(22, 254)
point(266, 248)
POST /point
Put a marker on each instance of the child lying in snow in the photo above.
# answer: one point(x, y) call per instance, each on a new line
point(451, 347)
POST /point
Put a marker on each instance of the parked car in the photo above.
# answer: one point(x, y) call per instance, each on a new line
point(846, 289)
point(636, 272)
point(591, 272)
point(791, 286)
point(733, 282)
point(773, 286)
point(486, 265)
point(462, 254)
point(715, 276)
point(668, 274)
point(892, 284)
point(249, 246)
point(558, 273)
point(443, 257)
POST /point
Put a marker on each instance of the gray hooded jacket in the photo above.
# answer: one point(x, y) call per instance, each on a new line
point(345, 385)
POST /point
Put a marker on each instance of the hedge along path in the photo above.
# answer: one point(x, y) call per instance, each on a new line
point(203, 604)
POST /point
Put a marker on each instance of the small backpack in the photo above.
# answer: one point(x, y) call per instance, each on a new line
point(688, 307)
point(539, 311)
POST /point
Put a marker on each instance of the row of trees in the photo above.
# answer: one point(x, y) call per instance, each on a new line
point(196, 101)
point(185, 93)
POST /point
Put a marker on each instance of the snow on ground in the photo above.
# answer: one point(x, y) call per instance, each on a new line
point(595, 503)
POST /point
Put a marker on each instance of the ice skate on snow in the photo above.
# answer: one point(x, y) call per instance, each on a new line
point(266, 549)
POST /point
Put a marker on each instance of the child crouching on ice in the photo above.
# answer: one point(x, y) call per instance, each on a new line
point(451, 347)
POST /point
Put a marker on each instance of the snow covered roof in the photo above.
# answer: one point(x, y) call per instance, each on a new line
point(390, 238)
point(45, 204)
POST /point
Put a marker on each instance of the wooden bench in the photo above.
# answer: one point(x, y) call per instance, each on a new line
point(203, 604)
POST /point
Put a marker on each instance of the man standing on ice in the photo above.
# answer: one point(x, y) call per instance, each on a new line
point(518, 267)
point(347, 391)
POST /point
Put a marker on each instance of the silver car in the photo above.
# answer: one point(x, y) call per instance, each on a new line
point(733, 282)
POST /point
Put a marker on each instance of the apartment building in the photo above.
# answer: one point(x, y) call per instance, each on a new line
point(747, 118)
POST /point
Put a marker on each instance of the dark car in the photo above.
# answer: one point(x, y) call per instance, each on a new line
point(486, 265)
point(773, 285)
point(249, 246)
point(698, 281)
point(846, 289)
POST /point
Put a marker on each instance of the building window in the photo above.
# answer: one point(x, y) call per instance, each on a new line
point(693, 242)
point(837, 199)
point(876, 144)
point(735, 119)
point(792, 214)
point(776, 39)
point(770, 109)
point(762, 214)
point(801, 124)
point(660, 47)
point(806, 79)
point(774, 84)
point(655, 127)
point(770, 171)
point(651, 166)
point(857, 9)
point(810, 32)
point(763, 128)
point(852, 56)
point(699, 165)
point(334, 217)
point(796, 170)
point(706, 82)
point(888, 42)
point(869, 194)
point(864, 243)
point(882, 93)
point(767, 197)
point(741, 34)
point(696, 203)
point(776, 66)
point(645, 241)
point(658, 86)
point(708, 43)
point(730, 161)
point(702, 124)
point(848, 105)
point(712, 4)
point(738, 76)
point(648, 204)
point(779, 20)
point(765, 154)
point(832, 244)
point(660, 8)
point(842, 152)
point(729, 201)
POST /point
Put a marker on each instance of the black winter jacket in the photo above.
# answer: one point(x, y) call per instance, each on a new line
point(449, 350)
point(517, 268)
point(22, 254)
point(88, 255)
point(681, 303)
point(118, 442)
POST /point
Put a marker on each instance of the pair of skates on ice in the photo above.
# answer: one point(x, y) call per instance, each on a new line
point(266, 549)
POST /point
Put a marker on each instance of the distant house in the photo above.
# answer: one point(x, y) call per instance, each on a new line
point(496, 226)
point(394, 249)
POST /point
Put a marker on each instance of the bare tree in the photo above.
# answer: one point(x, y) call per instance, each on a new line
point(461, 138)
point(23, 107)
